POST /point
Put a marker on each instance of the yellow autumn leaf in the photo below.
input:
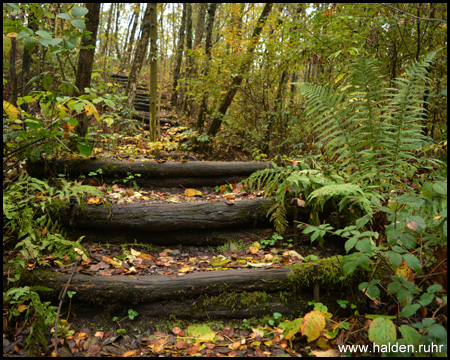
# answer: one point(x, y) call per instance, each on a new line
point(229, 196)
point(10, 110)
point(312, 325)
point(92, 200)
point(405, 271)
point(135, 252)
point(255, 247)
point(192, 192)
point(116, 264)
point(91, 110)
point(184, 269)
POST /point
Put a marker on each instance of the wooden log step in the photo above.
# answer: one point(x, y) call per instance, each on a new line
point(153, 173)
point(153, 218)
point(146, 117)
point(230, 293)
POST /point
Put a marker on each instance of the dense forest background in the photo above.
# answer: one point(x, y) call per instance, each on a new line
point(230, 69)
point(342, 105)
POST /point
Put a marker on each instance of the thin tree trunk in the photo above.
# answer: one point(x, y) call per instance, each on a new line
point(179, 58)
point(201, 14)
point(237, 80)
point(12, 72)
point(132, 35)
point(153, 71)
point(208, 43)
point(141, 49)
point(27, 60)
point(108, 27)
point(116, 31)
point(86, 61)
point(189, 58)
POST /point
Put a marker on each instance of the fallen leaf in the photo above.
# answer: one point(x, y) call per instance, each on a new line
point(135, 252)
point(184, 269)
point(130, 353)
point(177, 331)
point(192, 192)
point(193, 349)
point(229, 196)
point(412, 225)
point(326, 353)
point(294, 254)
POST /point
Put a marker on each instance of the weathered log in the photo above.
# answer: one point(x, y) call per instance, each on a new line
point(153, 218)
point(149, 288)
point(219, 293)
point(153, 173)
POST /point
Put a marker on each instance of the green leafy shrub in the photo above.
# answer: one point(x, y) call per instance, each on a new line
point(371, 135)
point(33, 234)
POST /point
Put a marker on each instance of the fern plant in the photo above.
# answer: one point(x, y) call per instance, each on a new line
point(369, 132)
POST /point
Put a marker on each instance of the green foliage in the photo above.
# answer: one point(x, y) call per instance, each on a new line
point(25, 207)
point(315, 185)
point(369, 130)
point(39, 315)
point(370, 134)
point(272, 241)
point(27, 224)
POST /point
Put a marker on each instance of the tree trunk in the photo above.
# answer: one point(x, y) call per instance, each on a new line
point(179, 58)
point(132, 35)
point(153, 71)
point(141, 50)
point(208, 41)
point(116, 37)
point(12, 72)
point(189, 58)
point(201, 14)
point(237, 80)
point(26, 63)
point(108, 27)
point(86, 61)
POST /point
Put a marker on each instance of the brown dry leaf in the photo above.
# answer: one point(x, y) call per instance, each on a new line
point(193, 349)
point(301, 203)
point(235, 345)
point(412, 225)
point(129, 192)
point(229, 196)
point(326, 353)
point(130, 353)
point(177, 331)
point(238, 187)
point(182, 345)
